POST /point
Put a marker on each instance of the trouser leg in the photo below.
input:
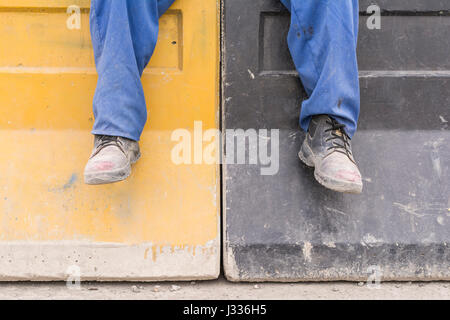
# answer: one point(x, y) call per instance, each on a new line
point(124, 35)
point(322, 40)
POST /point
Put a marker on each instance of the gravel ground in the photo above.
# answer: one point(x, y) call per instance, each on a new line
point(224, 290)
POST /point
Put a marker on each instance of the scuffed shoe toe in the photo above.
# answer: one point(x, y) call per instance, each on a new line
point(338, 173)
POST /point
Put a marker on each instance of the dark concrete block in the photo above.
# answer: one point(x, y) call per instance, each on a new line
point(287, 227)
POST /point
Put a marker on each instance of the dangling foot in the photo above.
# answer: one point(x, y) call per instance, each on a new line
point(327, 148)
point(111, 160)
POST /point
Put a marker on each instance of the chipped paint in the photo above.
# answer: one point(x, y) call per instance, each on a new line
point(370, 240)
point(307, 248)
point(230, 267)
point(335, 211)
point(330, 244)
point(252, 75)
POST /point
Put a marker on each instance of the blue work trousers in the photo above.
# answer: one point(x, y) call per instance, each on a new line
point(322, 40)
point(124, 35)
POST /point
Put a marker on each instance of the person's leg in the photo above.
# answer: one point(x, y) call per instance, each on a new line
point(124, 35)
point(163, 5)
point(322, 40)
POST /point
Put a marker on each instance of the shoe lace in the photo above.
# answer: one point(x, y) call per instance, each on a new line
point(106, 141)
point(341, 141)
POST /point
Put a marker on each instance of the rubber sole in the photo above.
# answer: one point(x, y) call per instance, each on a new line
point(112, 176)
point(307, 157)
point(108, 176)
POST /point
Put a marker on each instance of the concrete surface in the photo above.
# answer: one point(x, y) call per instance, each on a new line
point(56, 260)
point(163, 223)
point(222, 289)
point(293, 228)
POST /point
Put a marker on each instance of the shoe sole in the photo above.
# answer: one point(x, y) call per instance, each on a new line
point(307, 157)
point(112, 176)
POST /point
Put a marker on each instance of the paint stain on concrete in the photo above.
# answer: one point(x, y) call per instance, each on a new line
point(69, 184)
point(71, 181)
point(154, 253)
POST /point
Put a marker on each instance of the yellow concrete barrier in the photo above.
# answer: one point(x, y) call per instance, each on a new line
point(160, 224)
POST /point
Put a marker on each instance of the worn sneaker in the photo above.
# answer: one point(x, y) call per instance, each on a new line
point(111, 160)
point(328, 149)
